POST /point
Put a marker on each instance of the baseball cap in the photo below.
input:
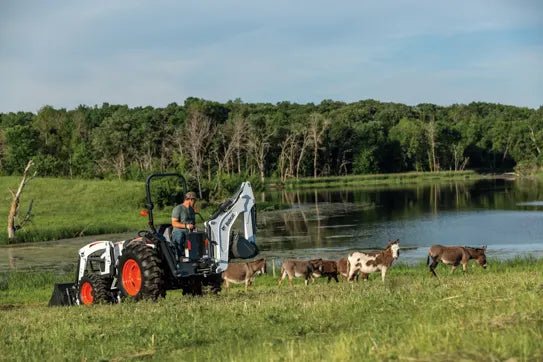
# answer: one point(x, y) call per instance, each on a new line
point(191, 195)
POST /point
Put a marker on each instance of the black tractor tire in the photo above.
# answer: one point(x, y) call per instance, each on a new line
point(192, 286)
point(213, 283)
point(94, 289)
point(140, 273)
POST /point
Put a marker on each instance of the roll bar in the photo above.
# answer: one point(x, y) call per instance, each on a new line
point(150, 206)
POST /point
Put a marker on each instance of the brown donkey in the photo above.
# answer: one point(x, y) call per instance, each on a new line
point(243, 272)
point(454, 255)
point(329, 269)
point(306, 269)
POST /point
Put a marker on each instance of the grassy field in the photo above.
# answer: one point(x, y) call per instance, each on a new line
point(65, 208)
point(487, 315)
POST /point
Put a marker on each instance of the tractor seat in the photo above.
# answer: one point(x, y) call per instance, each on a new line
point(166, 231)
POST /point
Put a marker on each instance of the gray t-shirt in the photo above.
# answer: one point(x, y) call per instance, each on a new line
point(185, 215)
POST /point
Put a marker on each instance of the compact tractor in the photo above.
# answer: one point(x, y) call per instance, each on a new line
point(146, 266)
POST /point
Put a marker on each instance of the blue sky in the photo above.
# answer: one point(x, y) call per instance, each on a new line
point(66, 53)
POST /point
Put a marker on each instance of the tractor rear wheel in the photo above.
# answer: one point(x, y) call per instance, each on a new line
point(93, 289)
point(140, 273)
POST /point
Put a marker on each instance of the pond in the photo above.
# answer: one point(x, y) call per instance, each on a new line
point(506, 215)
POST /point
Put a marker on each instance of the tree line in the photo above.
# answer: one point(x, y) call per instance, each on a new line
point(212, 142)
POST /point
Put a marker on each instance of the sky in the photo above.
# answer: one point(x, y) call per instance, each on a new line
point(140, 53)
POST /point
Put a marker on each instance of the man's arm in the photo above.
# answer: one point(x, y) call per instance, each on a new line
point(180, 225)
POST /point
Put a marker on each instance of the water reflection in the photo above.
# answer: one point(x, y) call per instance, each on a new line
point(504, 214)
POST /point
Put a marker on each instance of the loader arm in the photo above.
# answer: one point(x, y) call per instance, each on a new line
point(219, 225)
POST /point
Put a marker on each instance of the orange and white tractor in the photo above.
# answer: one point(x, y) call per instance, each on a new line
point(148, 265)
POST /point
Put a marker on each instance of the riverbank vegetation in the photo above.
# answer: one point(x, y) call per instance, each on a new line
point(486, 315)
point(407, 178)
point(212, 142)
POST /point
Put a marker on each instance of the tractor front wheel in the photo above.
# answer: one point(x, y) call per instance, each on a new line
point(192, 286)
point(93, 289)
point(140, 273)
point(213, 283)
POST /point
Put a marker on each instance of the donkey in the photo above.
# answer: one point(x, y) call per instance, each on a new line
point(369, 262)
point(343, 267)
point(329, 269)
point(300, 269)
point(243, 272)
point(454, 255)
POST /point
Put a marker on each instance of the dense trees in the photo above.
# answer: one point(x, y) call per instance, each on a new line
point(209, 141)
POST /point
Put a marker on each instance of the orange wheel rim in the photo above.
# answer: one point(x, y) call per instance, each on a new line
point(87, 296)
point(131, 277)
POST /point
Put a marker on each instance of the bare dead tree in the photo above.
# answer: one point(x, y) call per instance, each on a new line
point(222, 154)
point(306, 140)
point(119, 164)
point(258, 143)
point(344, 162)
point(532, 137)
point(285, 157)
point(235, 138)
point(14, 210)
point(458, 152)
point(222, 158)
point(178, 140)
point(199, 132)
point(317, 127)
point(293, 153)
point(464, 163)
point(238, 137)
point(431, 133)
point(506, 150)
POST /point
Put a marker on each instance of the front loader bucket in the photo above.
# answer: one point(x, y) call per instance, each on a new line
point(63, 294)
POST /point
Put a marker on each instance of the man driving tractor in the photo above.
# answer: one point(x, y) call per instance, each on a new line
point(183, 221)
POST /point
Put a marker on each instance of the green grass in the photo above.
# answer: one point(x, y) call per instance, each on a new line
point(65, 208)
point(68, 208)
point(493, 314)
point(380, 179)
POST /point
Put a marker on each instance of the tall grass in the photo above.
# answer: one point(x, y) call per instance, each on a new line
point(493, 314)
